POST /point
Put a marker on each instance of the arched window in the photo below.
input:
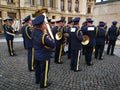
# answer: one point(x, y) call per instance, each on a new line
point(62, 5)
point(89, 10)
point(42, 3)
point(76, 5)
point(69, 5)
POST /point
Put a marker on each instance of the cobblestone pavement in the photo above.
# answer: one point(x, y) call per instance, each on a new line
point(14, 75)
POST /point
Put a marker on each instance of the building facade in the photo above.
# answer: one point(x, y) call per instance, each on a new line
point(66, 9)
point(107, 11)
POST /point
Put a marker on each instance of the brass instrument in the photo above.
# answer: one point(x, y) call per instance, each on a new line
point(58, 35)
point(43, 12)
point(85, 40)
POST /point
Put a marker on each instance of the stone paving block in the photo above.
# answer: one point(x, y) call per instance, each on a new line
point(14, 74)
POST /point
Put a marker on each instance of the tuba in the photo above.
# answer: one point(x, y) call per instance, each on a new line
point(43, 12)
point(85, 40)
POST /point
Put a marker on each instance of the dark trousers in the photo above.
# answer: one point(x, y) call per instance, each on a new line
point(88, 54)
point(30, 59)
point(111, 46)
point(10, 47)
point(41, 72)
point(99, 51)
point(58, 53)
point(75, 59)
point(69, 51)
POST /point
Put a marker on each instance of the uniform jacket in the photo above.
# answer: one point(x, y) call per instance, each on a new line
point(100, 36)
point(76, 38)
point(8, 32)
point(113, 33)
point(91, 33)
point(42, 45)
point(26, 32)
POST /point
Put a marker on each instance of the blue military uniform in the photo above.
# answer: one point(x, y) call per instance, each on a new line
point(23, 31)
point(90, 31)
point(9, 35)
point(100, 41)
point(26, 32)
point(43, 46)
point(113, 33)
point(59, 43)
point(68, 29)
point(76, 46)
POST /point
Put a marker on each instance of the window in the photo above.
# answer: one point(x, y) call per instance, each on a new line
point(11, 15)
point(89, 10)
point(62, 5)
point(31, 2)
point(76, 5)
point(53, 17)
point(69, 5)
point(10, 1)
point(69, 18)
point(51, 3)
point(42, 3)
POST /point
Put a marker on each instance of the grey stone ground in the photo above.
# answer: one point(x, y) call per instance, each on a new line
point(14, 75)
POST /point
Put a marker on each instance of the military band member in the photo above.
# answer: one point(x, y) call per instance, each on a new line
point(100, 41)
point(68, 30)
point(26, 32)
point(43, 46)
point(9, 34)
point(113, 33)
point(90, 31)
point(59, 43)
point(76, 46)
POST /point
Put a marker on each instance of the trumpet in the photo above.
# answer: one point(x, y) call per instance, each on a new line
point(43, 12)
point(85, 40)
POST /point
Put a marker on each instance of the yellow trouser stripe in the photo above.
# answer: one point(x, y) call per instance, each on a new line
point(60, 53)
point(32, 58)
point(46, 73)
point(78, 60)
point(10, 44)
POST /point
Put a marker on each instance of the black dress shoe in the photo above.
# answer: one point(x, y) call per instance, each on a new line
point(112, 54)
point(48, 84)
point(100, 58)
point(77, 70)
point(37, 82)
point(59, 62)
point(90, 64)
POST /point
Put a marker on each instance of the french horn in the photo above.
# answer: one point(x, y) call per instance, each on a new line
point(58, 35)
point(85, 40)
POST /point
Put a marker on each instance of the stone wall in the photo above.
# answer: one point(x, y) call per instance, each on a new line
point(107, 12)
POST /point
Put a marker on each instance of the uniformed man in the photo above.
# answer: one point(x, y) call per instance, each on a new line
point(68, 30)
point(90, 31)
point(100, 41)
point(84, 25)
point(76, 46)
point(26, 32)
point(113, 33)
point(9, 34)
point(43, 46)
point(59, 42)
point(23, 35)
